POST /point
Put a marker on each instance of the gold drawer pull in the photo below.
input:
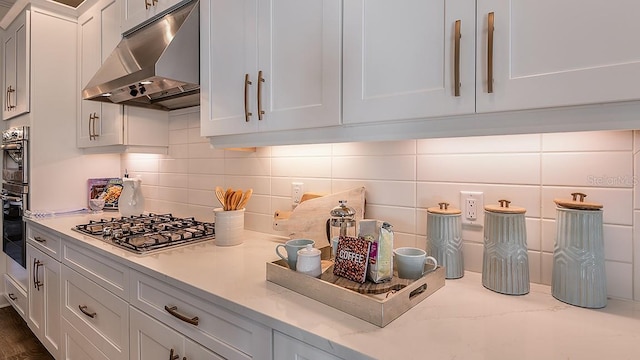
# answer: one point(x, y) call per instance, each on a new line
point(456, 59)
point(173, 311)
point(490, 29)
point(83, 308)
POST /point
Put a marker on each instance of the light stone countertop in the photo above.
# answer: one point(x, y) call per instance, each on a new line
point(462, 320)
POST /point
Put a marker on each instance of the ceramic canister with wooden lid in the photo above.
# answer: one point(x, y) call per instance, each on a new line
point(578, 275)
point(505, 263)
point(444, 238)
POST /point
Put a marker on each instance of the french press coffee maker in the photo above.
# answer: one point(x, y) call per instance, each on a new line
point(341, 223)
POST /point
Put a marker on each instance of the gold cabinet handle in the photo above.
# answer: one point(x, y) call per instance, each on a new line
point(173, 311)
point(490, 29)
point(456, 59)
point(247, 113)
point(260, 81)
point(39, 239)
point(154, 2)
point(83, 308)
point(12, 297)
point(147, 4)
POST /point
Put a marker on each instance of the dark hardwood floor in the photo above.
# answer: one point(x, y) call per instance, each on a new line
point(17, 342)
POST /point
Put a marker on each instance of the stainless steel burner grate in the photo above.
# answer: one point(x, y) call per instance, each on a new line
point(143, 234)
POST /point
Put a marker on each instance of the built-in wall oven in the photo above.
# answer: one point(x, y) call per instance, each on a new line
point(15, 191)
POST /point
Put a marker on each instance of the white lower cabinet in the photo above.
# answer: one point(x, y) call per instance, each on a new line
point(228, 334)
point(152, 340)
point(76, 346)
point(16, 296)
point(101, 316)
point(43, 314)
point(288, 348)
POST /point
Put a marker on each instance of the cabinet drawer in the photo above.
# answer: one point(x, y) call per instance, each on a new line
point(288, 348)
point(228, 334)
point(46, 241)
point(76, 346)
point(16, 295)
point(98, 314)
point(108, 273)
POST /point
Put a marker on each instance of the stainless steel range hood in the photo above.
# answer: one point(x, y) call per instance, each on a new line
point(155, 66)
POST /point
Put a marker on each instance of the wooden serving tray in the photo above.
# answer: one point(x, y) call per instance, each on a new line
point(378, 304)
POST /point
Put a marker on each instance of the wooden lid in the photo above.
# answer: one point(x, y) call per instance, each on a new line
point(577, 202)
point(504, 208)
point(444, 209)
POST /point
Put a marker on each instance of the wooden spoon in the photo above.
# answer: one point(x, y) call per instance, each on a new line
point(235, 199)
point(220, 195)
point(227, 199)
point(245, 199)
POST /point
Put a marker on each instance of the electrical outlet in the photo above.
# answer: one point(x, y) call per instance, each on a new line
point(471, 205)
point(297, 188)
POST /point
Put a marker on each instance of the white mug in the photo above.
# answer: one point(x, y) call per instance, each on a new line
point(411, 262)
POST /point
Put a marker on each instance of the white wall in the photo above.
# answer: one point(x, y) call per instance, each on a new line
point(404, 178)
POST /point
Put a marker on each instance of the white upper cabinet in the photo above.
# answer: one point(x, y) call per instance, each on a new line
point(401, 59)
point(135, 12)
point(16, 53)
point(102, 126)
point(270, 65)
point(548, 53)
point(99, 123)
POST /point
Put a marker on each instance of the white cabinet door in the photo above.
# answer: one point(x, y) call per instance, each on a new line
point(400, 59)
point(270, 65)
point(75, 346)
point(299, 48)
point(44, 299)
point(99, 124)
point(288, 348)
point(135, 12)
point(16, 47)
point(151, 340)
point(548, 53)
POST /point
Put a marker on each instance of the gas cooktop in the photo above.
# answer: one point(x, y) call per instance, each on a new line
point(144, 234)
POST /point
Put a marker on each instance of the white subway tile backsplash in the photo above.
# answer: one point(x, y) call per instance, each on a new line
point(588, 141)
point(205, 182)
point(618, 243)
point(404, 178)
point(636, 255)
point(402, 219)
point(317, 150)
point(179, 136)
point(178, 151)
point(398, 167)
point(595, 169)
point(485, 168)
point(375, 148)
point(480, 144)
point(394, 193)
point(204, 151)
point(301, 167)
point(619, 279)
point(206, 166)
point(173, 180)
point(180, 166)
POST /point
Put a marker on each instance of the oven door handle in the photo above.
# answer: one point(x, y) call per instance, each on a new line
point(10, 198)
point(11, 146)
